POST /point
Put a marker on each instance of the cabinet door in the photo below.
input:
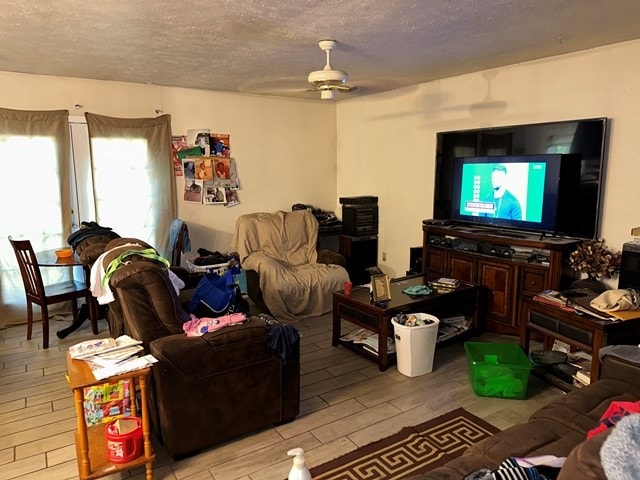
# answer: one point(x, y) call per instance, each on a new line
point(435, 261)
point(462, 267)
point(532, 280)
point(498, 280)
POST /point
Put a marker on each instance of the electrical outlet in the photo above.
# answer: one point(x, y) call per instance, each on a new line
point(384, 256)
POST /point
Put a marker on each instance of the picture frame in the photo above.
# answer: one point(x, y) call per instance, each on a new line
point(380, 289)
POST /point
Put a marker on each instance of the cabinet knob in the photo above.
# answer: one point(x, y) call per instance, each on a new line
point(533, 282)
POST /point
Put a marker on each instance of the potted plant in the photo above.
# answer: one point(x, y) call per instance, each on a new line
point(594, 259)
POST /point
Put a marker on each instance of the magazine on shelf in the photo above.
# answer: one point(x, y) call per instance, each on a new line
point(357, 336)
point(452, 326)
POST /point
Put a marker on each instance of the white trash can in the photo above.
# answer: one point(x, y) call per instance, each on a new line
point(415, 346)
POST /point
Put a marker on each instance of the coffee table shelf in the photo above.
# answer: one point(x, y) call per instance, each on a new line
point(359, 310)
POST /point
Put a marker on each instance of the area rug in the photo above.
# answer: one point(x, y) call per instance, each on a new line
point(411, 451)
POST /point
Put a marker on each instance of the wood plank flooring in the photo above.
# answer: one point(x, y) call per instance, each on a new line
point(345, 403)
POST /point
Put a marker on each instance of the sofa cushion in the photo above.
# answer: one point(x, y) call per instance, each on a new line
point(584, 461)
point(580, 411)
point(230, 344)
point(150, 297)
point(536, 437)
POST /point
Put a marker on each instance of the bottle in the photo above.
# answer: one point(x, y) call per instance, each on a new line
point(299, 470)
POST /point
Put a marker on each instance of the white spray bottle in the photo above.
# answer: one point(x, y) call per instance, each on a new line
point(299, 470)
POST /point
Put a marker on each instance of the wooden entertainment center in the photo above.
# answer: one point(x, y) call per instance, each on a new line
point(510, 266)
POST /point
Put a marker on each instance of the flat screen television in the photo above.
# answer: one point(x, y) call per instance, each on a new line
point(573, 155)
point(507, 191)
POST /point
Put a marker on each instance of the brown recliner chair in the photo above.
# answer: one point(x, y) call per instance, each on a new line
point(209, 389)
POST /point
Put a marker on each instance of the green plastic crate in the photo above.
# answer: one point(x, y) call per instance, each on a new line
point(498, 369)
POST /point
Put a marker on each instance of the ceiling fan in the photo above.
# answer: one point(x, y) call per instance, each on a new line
point(327, 81)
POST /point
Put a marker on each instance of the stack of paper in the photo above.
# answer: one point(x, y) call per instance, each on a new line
point(101, 346)
point(111, 356)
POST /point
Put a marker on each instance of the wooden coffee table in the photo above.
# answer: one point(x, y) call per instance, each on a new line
point(360, 310)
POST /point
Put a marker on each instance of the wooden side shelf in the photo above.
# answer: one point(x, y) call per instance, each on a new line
point(91, 442)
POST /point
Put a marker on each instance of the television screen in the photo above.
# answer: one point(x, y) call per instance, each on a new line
point(580, 189)
point(512, 191)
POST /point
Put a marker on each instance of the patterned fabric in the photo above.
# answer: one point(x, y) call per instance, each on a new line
point(411, 451)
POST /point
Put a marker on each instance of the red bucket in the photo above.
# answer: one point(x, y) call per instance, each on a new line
point(124, 439)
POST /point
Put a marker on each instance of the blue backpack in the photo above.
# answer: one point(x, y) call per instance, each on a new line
point(217, 295)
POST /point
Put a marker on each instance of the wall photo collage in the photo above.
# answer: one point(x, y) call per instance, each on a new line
point(204, 160)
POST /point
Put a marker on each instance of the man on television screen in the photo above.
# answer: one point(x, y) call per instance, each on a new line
point(506, 204)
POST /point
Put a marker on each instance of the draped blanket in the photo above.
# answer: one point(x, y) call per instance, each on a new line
point(281, 247)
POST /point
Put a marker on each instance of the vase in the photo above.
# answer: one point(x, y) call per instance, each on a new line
point(592, 284)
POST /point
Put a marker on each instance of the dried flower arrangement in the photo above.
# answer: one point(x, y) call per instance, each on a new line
point(595, 259)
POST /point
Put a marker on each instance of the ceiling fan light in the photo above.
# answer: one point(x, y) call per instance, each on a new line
point(328, 94)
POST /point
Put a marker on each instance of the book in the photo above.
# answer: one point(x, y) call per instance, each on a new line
point(583, 377)
point(105, 402)
point(555, 302)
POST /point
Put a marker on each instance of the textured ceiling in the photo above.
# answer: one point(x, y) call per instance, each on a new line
point(269, 47)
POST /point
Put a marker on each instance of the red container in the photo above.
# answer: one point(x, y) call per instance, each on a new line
point(124, 445)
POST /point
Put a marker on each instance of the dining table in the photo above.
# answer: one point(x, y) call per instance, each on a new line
point(49, 258)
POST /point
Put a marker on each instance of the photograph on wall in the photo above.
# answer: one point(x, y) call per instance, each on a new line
point(199, 137)
point(220, 144)
point(193, 190)
point(214, 195)
point(232, 197)
point(204, 170)
point(189, 167)
point(233, 175)
point(222, 168)
point(178, 142)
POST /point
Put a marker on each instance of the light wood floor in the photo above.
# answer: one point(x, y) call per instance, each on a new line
point(345, 403)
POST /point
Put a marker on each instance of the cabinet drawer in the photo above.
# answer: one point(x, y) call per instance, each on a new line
point(532, 281)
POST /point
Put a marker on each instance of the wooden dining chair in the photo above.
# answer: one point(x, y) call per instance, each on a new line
point(44, 295)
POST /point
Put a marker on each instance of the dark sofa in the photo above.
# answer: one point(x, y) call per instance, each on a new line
point(209, 389)
point(560, 428)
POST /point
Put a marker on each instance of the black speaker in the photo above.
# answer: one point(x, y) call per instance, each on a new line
point(630, 266)
point(360, 254)
point(415, 260)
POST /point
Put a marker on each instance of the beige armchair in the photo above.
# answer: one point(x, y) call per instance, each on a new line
point(281, 248)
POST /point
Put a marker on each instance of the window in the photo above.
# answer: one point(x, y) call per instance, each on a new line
point(52, 183)
point(34, 198)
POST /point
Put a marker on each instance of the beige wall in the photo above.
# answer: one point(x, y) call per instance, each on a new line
point(284, 148)
point(386, 143)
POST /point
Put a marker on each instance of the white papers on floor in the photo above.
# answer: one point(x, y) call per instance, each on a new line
point(136, 363)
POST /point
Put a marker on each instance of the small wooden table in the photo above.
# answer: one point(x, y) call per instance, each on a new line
point(91, 442)
point(359, 309)
point(581, 331)
point(48, 258)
